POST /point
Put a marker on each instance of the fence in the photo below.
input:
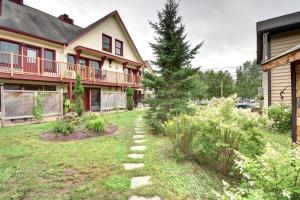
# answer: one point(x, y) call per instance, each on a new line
point(113, 100)
point(19, 104)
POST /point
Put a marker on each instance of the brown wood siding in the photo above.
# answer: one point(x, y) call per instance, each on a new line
point(297, 100)
point(281, 76)
point(265, 88)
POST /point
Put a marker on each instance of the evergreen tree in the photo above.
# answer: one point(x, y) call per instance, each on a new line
point(248, 80)
point(130, 102)
point(174, 79)
point(78, 96)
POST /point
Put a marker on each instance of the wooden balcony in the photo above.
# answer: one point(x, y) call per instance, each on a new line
point(16, 65)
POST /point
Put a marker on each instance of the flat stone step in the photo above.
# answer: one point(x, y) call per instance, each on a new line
point(131, 166)
point(144, 198)
point(140, 181)
point(140, 141)
point(135, 155)
point(138, 136)
point(138, 148)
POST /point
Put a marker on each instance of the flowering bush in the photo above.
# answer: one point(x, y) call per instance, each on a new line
point(215, 132)
point(281, 117)
point(273, 175)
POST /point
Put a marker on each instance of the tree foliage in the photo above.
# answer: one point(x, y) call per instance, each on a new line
point(174, 80)
point(248, 80)
point(216, 82)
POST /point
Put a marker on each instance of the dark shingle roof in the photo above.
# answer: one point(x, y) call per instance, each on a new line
point(278, 22)
point(32, 21)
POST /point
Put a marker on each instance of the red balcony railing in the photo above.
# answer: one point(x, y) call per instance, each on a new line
point(20, 64)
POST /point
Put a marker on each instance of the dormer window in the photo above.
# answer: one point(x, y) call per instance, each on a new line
point(106, 43)
point(119, 48)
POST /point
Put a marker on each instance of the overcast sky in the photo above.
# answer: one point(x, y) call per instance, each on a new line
point(227, 27)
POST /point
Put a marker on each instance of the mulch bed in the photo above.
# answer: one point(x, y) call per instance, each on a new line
point(79, 135)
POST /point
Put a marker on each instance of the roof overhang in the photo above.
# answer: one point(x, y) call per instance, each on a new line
point(289, 56)
point(107, 56)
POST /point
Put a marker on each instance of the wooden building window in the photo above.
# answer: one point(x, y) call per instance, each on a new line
point(49, 64)
point(119, 48)
point(106, 43)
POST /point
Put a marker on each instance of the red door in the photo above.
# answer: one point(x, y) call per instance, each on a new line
point(30, 59)
point(87, 99)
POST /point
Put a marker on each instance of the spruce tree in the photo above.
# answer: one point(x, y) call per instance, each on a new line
point(174, 79)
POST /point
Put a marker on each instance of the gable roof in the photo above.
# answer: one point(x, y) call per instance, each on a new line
point(99, 22)
point(34, 22)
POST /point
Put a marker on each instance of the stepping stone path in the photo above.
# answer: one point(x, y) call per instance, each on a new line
point(139, 181)
point(138, 148)
point(130, 166)
point(140, 141)
point(135, 155)
point(138, 136)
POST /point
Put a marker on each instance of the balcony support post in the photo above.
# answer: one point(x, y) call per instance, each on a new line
point(38, 65)
point(2, 105)
point(11, 64)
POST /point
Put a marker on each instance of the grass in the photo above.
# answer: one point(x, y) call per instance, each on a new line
point(92, 169)
point(283, 139)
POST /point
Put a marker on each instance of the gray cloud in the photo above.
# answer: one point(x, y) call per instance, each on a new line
point(226, 26)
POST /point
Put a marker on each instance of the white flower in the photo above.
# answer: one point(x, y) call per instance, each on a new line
point(286, 194)
point(247, 176)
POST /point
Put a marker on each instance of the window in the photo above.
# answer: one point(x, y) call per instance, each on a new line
point(49, 60)
point(95, 64)
point(119, 48)
point(71, 59)
point(8, 47)
point(31, 56)
point(126, 70)
point(83, 62)
point(106, 43)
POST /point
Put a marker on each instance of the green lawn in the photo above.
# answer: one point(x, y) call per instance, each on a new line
point(92, 169)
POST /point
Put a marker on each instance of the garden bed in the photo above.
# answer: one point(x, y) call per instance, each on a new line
point(79, 135)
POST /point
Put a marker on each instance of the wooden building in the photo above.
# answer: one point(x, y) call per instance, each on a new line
point(278, 52)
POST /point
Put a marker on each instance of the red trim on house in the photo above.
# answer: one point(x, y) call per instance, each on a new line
point(30, 35)
point(122, 47)
point(107, 55)
point(59, 80)
point(110, 44)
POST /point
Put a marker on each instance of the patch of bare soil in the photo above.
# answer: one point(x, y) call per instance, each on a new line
point(79, 135)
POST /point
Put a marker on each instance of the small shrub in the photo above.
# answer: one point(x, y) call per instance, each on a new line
point(97, 125)
point(62, 127)
point(118, 183)
point(274, 175)
point(38, 109)
point(215, 132)
point(130, 102)
point(280, 115)
point(90, 116)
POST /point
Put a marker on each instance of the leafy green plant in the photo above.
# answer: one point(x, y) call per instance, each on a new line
point(130, 103)
point(275, 175)
point(118, 183)
point(97, 125)
point(280, 115)
point(62, 127)
point(215, 132)
point(78, 96)
point(38, 109)
point(68, 105)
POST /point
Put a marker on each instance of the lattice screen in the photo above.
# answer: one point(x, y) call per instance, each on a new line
point(111, 100)
point(20, 104)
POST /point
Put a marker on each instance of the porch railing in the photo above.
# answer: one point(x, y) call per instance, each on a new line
point(21, 64)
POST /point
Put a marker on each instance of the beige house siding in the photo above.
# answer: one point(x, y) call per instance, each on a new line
point(281, 76)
